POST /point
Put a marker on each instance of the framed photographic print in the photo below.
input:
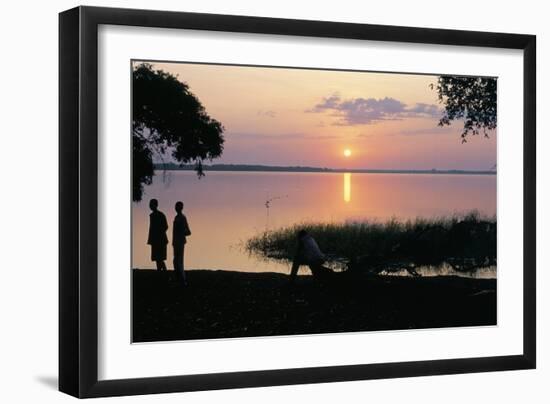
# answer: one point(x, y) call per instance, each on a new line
point(251, 201)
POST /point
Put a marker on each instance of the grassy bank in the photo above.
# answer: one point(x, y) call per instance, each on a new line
point(224, 304)
point(465, 242)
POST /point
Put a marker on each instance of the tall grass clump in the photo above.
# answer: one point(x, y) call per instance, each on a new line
point(465, 242)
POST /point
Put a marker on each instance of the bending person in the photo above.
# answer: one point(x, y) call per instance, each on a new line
point(308, 253)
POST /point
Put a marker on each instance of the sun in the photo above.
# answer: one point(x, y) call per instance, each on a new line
point(347, 152)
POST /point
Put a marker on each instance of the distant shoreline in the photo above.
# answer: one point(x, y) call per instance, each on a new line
point(302, 169)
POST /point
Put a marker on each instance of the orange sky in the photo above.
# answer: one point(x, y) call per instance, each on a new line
point(278, 116)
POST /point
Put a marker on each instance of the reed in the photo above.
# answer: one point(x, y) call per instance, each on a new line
point(465, 242)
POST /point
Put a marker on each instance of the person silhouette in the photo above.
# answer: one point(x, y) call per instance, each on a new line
point(180, 231)
point(157, 235)
point(308, 253)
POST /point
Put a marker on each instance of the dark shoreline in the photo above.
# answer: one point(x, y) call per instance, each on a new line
point(225, 304)
point(305, 169)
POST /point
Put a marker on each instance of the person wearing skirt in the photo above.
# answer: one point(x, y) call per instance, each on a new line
point(157, 238)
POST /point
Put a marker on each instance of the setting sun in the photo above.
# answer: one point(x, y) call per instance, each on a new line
point(347, 152)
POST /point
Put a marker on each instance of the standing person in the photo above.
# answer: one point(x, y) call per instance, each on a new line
point(157, 235)
point(308, 253)
point(180, 231)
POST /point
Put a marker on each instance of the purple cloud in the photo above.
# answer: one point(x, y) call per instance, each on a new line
point(328, 103)
point(364, 111)
point(268, 113)
point(425, 109)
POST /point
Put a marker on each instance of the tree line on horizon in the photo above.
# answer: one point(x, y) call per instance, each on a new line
point(260, 167)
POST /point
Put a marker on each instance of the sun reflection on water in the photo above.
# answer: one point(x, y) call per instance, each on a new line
point(347, 187)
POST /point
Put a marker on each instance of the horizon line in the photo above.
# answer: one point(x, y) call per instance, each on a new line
point(297, 168)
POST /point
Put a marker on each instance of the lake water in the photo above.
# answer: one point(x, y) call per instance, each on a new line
point(224, 209)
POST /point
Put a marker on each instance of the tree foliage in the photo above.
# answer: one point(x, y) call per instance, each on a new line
point(473, 99)
point(168, 118)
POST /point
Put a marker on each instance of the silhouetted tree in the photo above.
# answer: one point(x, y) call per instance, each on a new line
point(167, 116)
point(473, 99)
point(142, 166)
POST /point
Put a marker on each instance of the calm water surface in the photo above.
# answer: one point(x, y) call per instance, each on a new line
point(224, 209)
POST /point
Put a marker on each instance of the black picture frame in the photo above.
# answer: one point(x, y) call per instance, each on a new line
point(78, 201)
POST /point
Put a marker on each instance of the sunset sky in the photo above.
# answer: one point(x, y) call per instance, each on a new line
point(289, 117)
